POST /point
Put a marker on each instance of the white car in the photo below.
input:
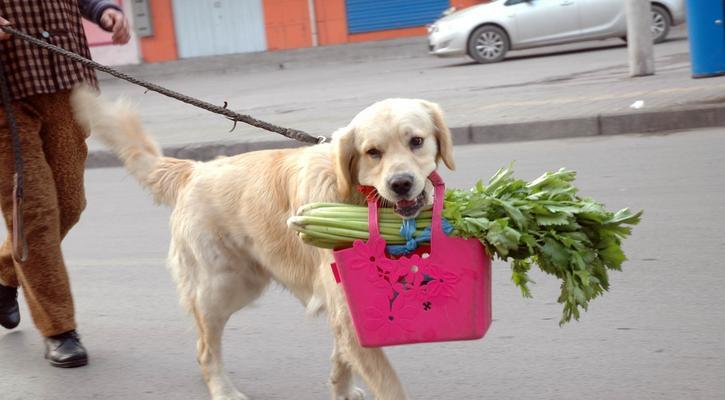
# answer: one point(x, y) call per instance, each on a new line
point(487, 31)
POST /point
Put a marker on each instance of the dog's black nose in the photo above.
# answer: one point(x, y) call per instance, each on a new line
point(401, 184)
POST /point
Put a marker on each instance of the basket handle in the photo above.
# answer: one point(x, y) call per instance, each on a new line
point(371, 196)
point(438, 197)
point(436, 225)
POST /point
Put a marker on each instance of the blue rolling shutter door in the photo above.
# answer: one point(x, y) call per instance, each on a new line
point(377, 15)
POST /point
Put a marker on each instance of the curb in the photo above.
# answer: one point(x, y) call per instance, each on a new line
point(663, 120)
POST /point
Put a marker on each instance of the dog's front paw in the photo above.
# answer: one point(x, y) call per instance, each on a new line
point(354, 393)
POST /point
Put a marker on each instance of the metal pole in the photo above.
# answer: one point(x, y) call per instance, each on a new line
point(639, 38)
point(313, 22)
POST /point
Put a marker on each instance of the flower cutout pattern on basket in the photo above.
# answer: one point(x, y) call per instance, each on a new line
point(405, 286)
point(396, 318)
point(371, 256)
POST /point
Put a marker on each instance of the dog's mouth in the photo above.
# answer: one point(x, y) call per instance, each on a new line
point(410, 208)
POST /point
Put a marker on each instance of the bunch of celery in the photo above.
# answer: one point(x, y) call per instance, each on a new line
point(541, 223)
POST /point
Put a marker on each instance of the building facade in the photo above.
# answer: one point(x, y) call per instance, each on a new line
point(174, 29)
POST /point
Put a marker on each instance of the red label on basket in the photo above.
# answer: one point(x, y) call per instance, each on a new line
point(335, 272)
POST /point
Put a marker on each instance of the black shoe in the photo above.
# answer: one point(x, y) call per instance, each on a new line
point(65, 350)
point(9, 312)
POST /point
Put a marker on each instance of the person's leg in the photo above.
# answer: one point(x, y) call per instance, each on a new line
point(29, 129)
point(65, 153)
point(43, 276)
point(64, 144)
point(7, 267)
point(29, 126)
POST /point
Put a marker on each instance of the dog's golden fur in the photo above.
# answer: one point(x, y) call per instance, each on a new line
point(229, 237)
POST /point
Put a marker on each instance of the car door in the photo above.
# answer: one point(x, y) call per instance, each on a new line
point(540, 22)
point(602, 18)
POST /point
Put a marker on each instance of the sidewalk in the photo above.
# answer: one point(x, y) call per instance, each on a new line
point(563, 91)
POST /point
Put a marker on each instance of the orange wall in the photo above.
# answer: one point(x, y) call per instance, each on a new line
point(459, 4)
point(331, 22)
point(162, 45)
point(388, 34)
point(287, 24)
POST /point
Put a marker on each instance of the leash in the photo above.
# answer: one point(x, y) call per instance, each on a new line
point(20, 244)
point(236, 117)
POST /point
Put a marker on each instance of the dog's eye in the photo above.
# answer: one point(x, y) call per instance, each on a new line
point(416, 142)
point(374, 153)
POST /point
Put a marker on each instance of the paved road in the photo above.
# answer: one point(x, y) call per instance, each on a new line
point(320, 90)
point(659, 333)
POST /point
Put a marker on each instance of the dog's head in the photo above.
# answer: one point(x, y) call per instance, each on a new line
point(393, 145)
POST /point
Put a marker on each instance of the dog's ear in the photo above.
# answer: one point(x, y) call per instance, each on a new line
point(442, 134)
point(344, 153)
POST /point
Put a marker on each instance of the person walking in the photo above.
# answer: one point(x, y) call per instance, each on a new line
point(53, 151)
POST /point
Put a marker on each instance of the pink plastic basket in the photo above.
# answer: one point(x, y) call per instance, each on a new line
point(443, 294)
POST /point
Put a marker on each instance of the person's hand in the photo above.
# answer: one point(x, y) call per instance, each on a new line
point(117, 23)
point(3, 34)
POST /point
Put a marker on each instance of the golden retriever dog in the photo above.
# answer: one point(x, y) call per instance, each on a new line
point(229, 233)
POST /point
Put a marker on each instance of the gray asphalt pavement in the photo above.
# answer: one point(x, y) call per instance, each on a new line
point(658, 334)
point(319, 90)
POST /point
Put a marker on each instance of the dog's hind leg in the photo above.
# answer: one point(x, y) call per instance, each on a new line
point(370, 363)
point(222, 292)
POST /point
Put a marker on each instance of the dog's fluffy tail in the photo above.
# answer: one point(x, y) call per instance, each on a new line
point(118, 126)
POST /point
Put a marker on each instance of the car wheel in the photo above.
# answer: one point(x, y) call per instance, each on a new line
point(488, 44)
point(660, 24)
